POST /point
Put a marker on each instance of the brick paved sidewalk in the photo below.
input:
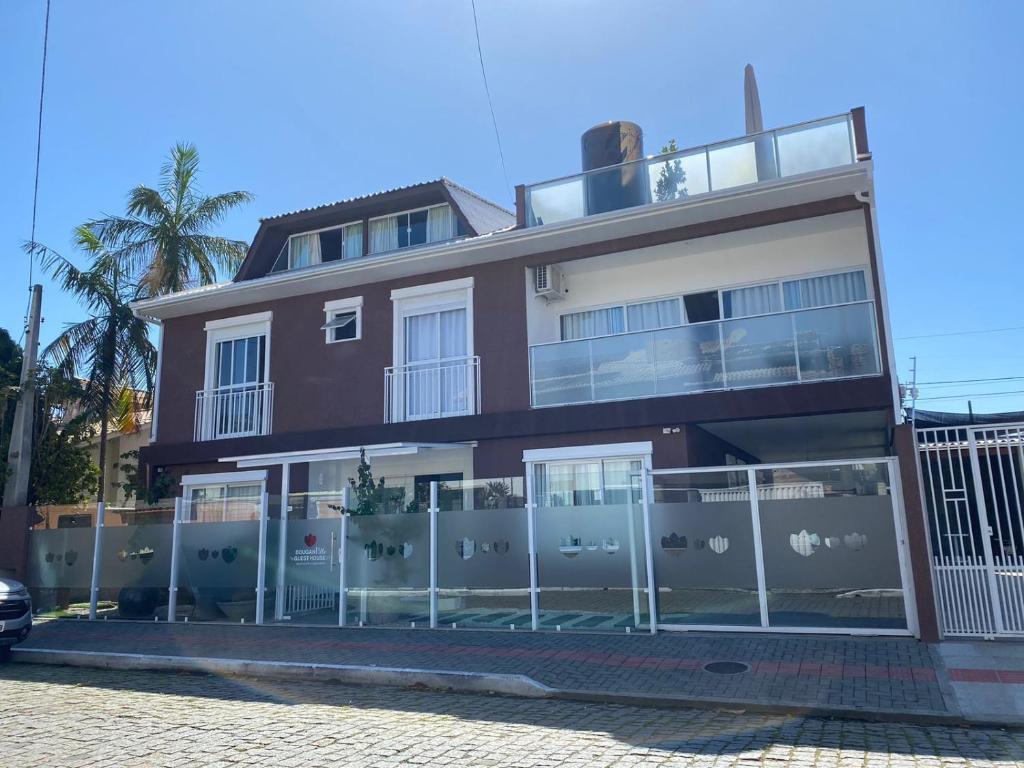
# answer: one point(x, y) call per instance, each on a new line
point(870, 674)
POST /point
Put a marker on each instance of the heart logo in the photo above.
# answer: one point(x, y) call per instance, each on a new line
point(570, 546)
point(203, 553)
point(832, 542)
point(228, 554)
point(49, 557)
point(718, 544)
point(71, 557)
point(674, 543)
point(804, 543)
point(390, 550)
point(855, 541)
point(215, 553)
point(611, 546)
point(374, 550)
point(501, 547)
point(466, 548)
point(405, 550)
point(310, 540)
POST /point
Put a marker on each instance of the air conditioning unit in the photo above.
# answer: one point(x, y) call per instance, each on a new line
point(547, 283)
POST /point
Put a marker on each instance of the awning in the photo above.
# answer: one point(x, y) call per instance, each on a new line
point(340, 454)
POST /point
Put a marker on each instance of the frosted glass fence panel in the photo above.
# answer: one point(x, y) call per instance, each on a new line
point(623, 367)
point(135, 562)
point(217, 568)
point(483, 568)
point(387, 563)
point(562, 373)
point(678, 176)
point(830, 550)
point(703, 539)
point(303, 586)
point(733, 165)
point(591, 567)
point(759, 351)
point(59, 567)
point(815, 146)
point(557, 201)
point(688, 359)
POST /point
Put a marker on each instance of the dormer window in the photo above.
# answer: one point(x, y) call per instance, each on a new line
point(321, 245)
point(410, 228)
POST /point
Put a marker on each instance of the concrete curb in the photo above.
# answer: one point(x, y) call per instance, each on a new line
point(467, 682)
point(472, 682)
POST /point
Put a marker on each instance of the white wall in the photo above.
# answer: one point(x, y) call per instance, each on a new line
point(807, 246)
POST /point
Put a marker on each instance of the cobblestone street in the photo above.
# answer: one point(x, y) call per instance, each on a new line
point(63, 717)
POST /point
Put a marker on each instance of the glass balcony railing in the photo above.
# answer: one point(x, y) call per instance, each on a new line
point(785, 348)
point(803, 148)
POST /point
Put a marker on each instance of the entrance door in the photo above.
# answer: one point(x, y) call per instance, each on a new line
point(437, 370)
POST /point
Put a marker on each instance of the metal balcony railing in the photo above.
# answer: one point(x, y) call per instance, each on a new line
point(752, 159)
point(782, 348)
point(432, 390)
point(241, 410)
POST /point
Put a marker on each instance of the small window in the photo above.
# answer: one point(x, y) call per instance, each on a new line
point(826, 290)
point(701, 307)
point(651, 315)
point(344, 320)
point(752, 300)
point(592, 323)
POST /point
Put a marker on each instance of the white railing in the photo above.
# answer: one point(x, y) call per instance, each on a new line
point(240, 410)
point(777, 492)
point(432, 390)
point(818, 344)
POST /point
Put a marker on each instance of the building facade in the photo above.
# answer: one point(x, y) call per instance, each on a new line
point(671, 372)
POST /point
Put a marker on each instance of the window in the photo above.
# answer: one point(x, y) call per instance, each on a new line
point(224, 502)
point(651, 315)
point(702, 307)
point(588, 483)
point(749, 301)
point(594, 322)
point(344, 320)
point(419, 227)
point(324, 245)
point(825, 290)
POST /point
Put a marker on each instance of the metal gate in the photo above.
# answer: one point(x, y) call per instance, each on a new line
point(974, 488)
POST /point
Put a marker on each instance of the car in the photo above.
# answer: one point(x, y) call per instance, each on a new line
point(15, 614)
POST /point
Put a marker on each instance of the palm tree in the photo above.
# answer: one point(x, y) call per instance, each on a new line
point(110, 350)
point(164, 238)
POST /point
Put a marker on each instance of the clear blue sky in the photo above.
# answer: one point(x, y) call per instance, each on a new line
point(308, 102)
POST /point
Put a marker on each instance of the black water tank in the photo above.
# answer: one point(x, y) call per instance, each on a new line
point(611, 144)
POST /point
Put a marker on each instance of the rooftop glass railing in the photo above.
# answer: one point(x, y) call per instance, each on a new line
point(784, 348)
point(753, 159)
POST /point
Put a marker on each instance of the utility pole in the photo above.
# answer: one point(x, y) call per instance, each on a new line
point(19, 455)
point(913, 392)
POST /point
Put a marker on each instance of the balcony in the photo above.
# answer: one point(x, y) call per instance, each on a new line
point(242, 410)
point(806, 345)
point(691, 173)
point(432, 390)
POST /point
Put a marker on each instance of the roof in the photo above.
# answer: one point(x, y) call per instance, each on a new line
point(479, 210)
point(938, 419)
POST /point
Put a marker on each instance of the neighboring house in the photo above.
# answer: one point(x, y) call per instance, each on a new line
point(118, 444)
point(722, 307)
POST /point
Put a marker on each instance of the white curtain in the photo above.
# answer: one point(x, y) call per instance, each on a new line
point(439, 224)
point(353, 242)
point(825, 290)
point(383, 234)
point(653, 314)
point(571, 485)
point(452, 328)
point(595, 322)
point(421, 338)
point(755, 300)
point(304, 250)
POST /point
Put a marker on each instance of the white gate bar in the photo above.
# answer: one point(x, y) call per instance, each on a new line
point(986, 535)
point(531, 540)
point(432, 594)
point(899, 514)
point(755, 521)
point(346, 499)
point(652, 605)
point(282, 544)
point(261, 558)
point(97, 554)
point(172, 586)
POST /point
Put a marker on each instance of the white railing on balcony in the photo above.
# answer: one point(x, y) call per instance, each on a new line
point(784, 348)
point(753, 159)
point(432, 390)
point(240, 410)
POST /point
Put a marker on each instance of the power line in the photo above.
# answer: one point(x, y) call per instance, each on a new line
point(967, 381)
point(487, 90)
point(961, 333)
point(970, 396)
point(39, 143)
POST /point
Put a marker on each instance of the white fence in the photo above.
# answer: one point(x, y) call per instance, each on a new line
point(241, 410)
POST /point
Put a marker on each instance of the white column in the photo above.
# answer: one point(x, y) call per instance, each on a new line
point(433, 554)
point(282, 544)
point(261, 559)
point(97, 555)
point(652, 605)
point(172, 586)
point(531, 539)
point(755, 521)
point(346, 498)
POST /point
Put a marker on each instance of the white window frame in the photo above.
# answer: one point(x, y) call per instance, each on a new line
point(865, 269)
point(432, 297)
point(224, 480)
point(339, 306)
point(229, 329)
point(288, 245)
point(452, 234)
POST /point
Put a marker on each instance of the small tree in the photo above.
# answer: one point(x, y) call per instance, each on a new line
point(369, 492)
point(162, 487)
point(671, 182)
